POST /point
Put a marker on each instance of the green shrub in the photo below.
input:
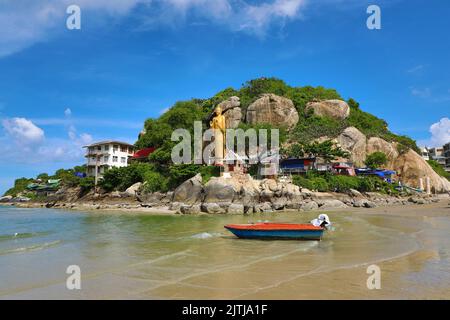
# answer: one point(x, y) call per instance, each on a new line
point(367, 123)
point(320, 184)
point(317, 183)
point(343, 183)
point(325, 181)
point(87, 184)
point(208, 172)
point(439, 169)
point(302, 182)
point(20, 185)
point(312, 127)
point(67, 177)
point(376, 160)
point(180, 173)
point(154, 182)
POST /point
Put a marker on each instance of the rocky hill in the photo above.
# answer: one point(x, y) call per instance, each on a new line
point(308, 114)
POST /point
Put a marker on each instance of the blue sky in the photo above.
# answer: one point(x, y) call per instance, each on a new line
point(61, 89)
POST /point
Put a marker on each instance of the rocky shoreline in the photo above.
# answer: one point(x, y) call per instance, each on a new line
point(239, 195)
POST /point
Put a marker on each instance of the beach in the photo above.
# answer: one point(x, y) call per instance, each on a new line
point(152, 256)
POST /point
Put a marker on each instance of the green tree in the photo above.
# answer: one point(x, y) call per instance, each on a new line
point(376, 160)
point(20, 185)
point(43, 176)
point(439, 169)
point(326, 150)
point(154, 181)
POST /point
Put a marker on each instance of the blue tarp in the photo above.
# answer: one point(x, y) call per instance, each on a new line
point(377, 172)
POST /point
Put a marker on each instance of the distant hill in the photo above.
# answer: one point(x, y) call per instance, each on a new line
point(308, 128)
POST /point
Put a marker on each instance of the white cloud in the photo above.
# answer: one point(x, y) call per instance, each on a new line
point(257, 18)
point(77, 140)
point(23, 131)
point(440, 132)
point(27, 22)
point(416, 69)
point(25, 142)
point(68, 112)
point(421, 92)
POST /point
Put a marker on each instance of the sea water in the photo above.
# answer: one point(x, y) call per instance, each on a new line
point(134, 255)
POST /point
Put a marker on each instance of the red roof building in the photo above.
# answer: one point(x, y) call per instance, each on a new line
point(143, 153)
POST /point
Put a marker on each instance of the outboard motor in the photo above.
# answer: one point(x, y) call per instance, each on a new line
point(322, 221)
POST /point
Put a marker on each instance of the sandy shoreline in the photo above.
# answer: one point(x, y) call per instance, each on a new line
point(135, 207)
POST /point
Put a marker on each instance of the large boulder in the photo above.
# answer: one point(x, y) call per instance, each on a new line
point(6, 199)
point(232, 112)
point(272, 109)
point(20, 199)
point(133, 190)
point(376, 144)
point(190, 191)
point(308, 206)
point(263, 207)
point(353, 141)
point(411, 167)
point(233, 118)
point(188, 209)
point(219, 190)
point(212, 208)
point(235, 208)
point(331, 204)
point(230, 103)
point(336, 109)
point(249, 193)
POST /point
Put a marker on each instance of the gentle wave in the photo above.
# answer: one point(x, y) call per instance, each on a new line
point(31, 248)
point(206, 235)
point(21, 235)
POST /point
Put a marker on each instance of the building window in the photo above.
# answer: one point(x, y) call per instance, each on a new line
point(106, 147)
point(99, 148)
point(123, 160)
point(106, 158)
point(115, 148)
point(115, 159)
point(123, 149)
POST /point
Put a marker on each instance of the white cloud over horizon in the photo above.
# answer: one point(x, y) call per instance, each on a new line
point(25, 23)
point(23, 131)
point(25, 142)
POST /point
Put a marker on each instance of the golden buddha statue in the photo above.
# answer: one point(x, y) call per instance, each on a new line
point(219, 127)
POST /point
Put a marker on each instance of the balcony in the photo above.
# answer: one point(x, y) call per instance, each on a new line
point(96, 153)
point(99, 163)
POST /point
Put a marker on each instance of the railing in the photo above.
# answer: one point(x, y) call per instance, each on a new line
point(96, 153)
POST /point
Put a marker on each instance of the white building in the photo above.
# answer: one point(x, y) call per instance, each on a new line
point(425, 153)
point(107, 154)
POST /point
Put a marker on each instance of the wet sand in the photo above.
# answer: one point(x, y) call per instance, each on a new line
point(193, 257)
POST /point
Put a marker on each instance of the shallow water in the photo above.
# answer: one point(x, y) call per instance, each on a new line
point(128, 256)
